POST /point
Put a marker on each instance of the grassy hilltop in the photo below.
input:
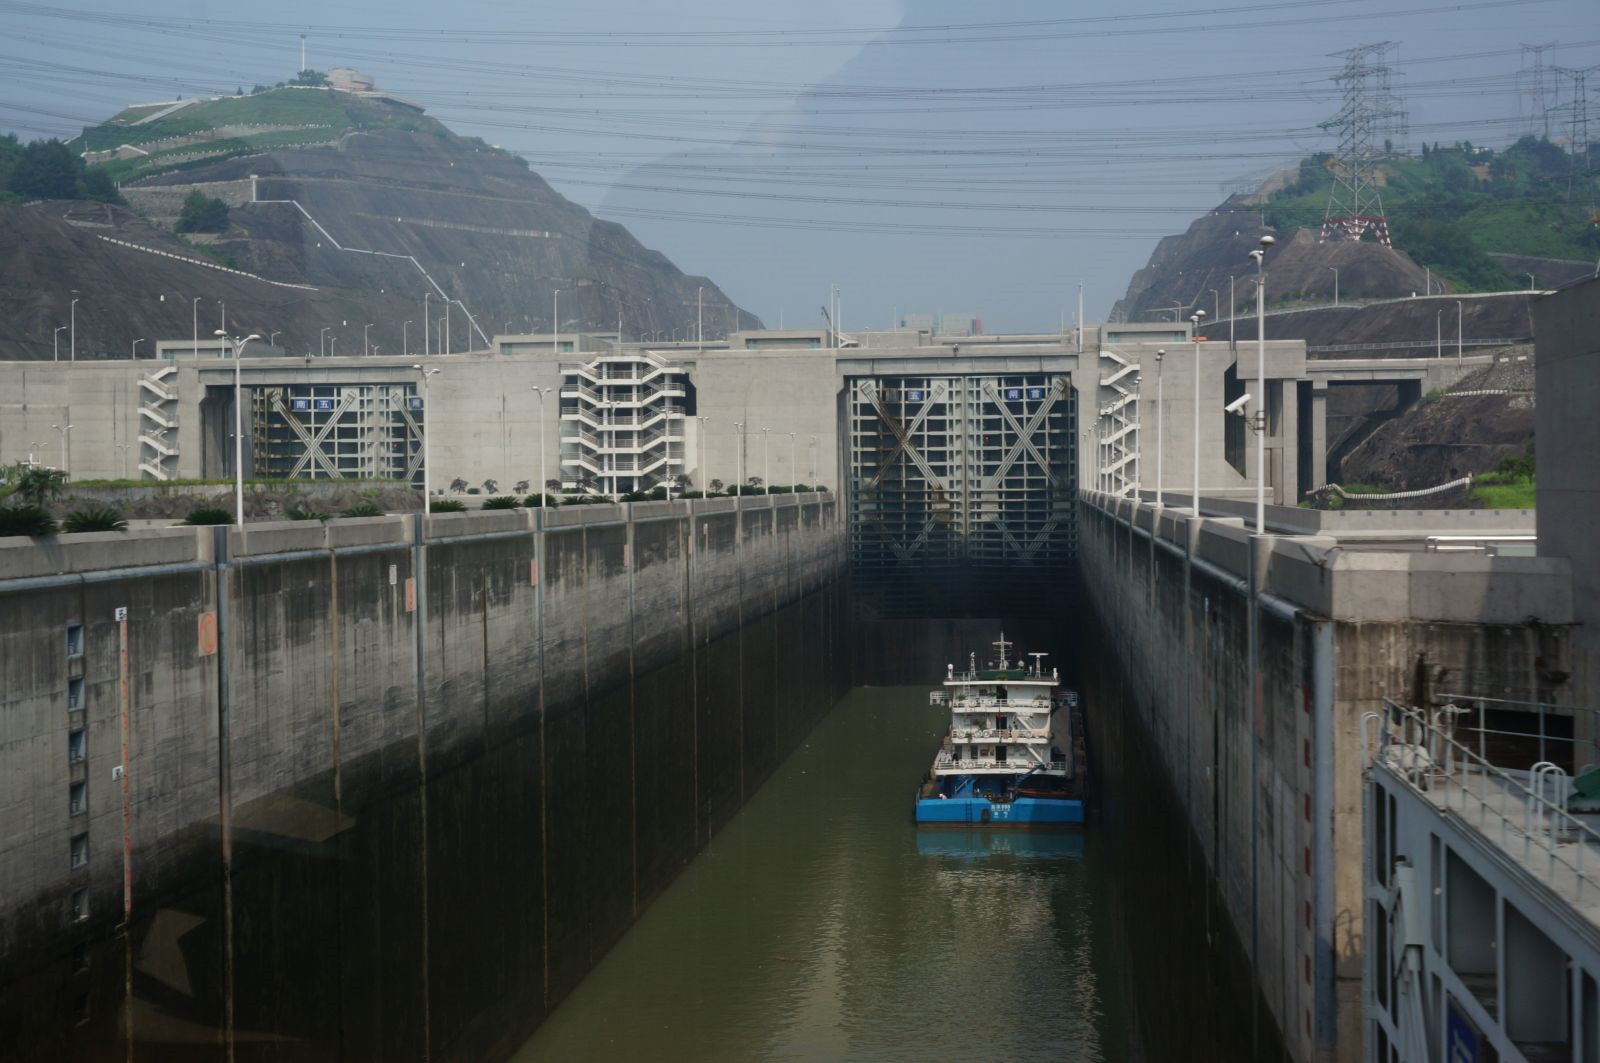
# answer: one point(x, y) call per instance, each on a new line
point(1450, 207)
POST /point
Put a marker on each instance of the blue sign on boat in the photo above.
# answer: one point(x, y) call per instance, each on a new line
point(1013, 394)
point(300, 405)
point(324, 405)
point(1036, 393)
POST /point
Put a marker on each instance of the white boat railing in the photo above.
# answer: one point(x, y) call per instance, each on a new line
point(993, 734)
point(944, 761)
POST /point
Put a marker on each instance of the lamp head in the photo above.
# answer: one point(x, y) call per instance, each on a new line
point(1266, 242)
point(1160, 354)
point(252, 336)
point(218, 332)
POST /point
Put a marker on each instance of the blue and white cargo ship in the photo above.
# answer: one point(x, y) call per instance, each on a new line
point(1014, 756)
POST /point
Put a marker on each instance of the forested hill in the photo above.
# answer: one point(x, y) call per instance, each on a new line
point(1451, 206)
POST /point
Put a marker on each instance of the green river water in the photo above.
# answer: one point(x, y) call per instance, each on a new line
point(820, 924)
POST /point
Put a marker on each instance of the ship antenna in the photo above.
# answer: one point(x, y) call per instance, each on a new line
point(973, 662)
point(1038, 662)
point(1003, 646)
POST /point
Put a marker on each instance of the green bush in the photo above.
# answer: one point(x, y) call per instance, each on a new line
point(447, 505)
point(94, 519)
point(692, 493)
point(637, 496)
point(536, 501)
point(296, 513)
point(502, 502)
point(26, 520)
point(209, 515)
point(203, 214)
point(363, 509)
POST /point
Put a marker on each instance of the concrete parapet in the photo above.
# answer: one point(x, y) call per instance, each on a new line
point(99, 551)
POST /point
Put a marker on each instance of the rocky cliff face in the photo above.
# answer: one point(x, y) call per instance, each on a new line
point(338, 235)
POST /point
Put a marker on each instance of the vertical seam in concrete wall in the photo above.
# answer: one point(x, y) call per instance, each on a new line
point(334, 643)
point(223, 572)
point(1322, 657)
point(629, 559)
point(540, 557)
point(738, 569)
point(420, 627)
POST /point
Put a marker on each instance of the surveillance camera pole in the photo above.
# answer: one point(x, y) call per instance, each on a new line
point(1260, 255)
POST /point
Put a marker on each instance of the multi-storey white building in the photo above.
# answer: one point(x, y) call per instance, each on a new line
point(622, 421)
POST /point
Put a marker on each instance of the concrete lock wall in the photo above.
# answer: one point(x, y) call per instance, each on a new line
point(388, 796)
point(1272, 796)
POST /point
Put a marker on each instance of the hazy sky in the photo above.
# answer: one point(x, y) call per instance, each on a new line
point(923, 156)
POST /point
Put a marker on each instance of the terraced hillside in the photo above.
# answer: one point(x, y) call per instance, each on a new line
point(345, 210)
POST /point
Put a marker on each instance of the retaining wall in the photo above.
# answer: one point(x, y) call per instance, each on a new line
point(1265, 761)
point(389, 795)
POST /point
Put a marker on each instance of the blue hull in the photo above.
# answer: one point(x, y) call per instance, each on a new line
point(1022, 812)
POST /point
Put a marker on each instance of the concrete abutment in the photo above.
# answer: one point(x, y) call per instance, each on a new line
point(372, 773)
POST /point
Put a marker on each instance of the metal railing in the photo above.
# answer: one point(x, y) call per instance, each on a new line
point(993, 734)
point(1523, 813)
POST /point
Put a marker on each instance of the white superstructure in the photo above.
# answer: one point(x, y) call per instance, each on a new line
point(1000, 718)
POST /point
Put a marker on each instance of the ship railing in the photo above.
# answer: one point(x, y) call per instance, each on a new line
point(992, 734)
point(938, 697)
point(945, 760)
point(1521, 812)
point(983, 701)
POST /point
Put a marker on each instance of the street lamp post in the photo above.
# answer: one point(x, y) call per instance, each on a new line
point(1233, 310)
point(555, 322)
point(427, 343)
point(322, 340)
point(1195, 450)
point(813, 463)
point(1160, 437)
point(365, 330)
point(135, 351)
point(55, 342)
point(766, 459)
point(427, 436)
point(238, 423)
point(702, 441)
point(124, 447)
point(1458, 331)
point(72, 330)
point(793, 475)
point(272, 337)
point(66, 467)
point(699, 317)
point(1335, 270)
point(194, 314)
point(543, 471)
point(224, 310)
point(738, 431)
point(1260, 255)
point(1438, 334)
point(1530, 281)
